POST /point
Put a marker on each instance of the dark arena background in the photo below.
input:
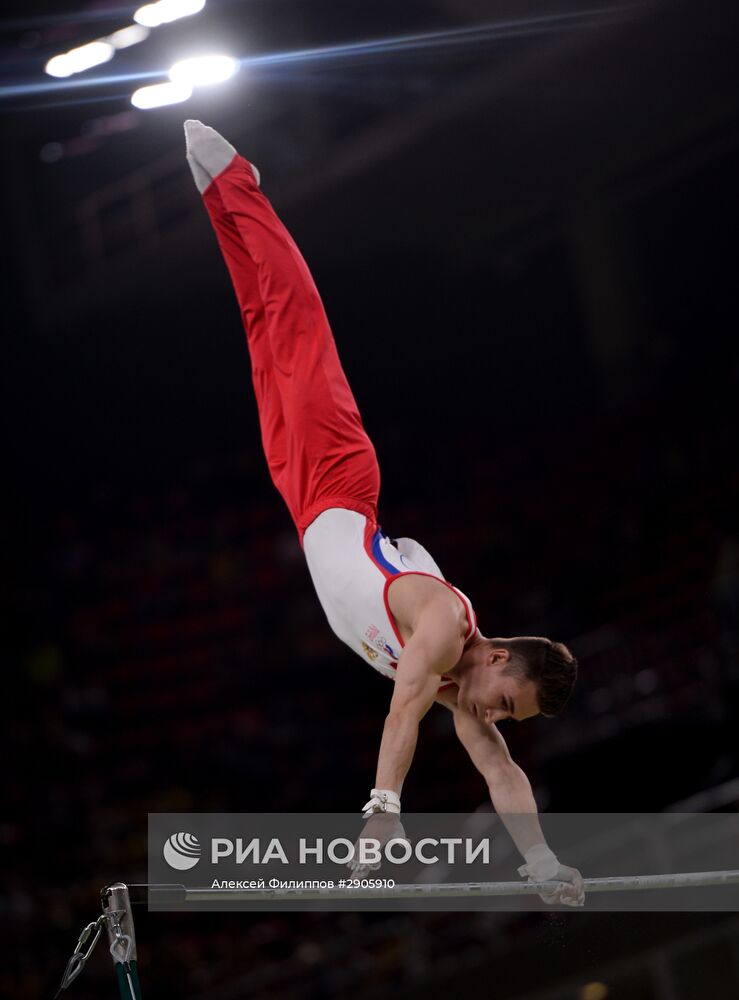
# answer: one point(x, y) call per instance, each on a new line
point(522, 218)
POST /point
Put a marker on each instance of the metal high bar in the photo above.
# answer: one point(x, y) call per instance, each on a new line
point(176, 893)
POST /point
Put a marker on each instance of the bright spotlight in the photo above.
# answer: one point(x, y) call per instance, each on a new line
point(148, 16)
point(161, 94)
point(59, 66)
point(151, 15)
point(79, 59)
point(203, 70)
point(131, 35)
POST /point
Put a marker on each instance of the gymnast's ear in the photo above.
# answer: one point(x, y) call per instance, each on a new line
point(497, 655)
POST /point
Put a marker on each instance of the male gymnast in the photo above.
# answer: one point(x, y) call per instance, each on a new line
point(385, 598)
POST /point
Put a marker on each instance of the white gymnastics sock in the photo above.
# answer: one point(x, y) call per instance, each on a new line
point(208, 153)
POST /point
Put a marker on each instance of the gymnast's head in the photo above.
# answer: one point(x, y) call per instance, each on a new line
point(514, 678)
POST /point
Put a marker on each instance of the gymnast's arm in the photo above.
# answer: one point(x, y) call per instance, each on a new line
point(510, 792)
point(509, 788)
point(435, 646)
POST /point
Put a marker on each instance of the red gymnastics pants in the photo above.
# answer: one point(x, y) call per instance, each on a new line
point(318, 453)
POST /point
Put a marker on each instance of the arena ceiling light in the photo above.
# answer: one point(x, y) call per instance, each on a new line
point(184, 75)
point(151, 15)
point(161, 94)
point(79, 59)
point(94, 53)
point(203, 70)
point(126, 37)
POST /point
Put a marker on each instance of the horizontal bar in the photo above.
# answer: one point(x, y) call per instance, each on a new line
point(148, 893)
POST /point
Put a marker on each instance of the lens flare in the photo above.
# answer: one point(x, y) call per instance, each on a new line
point(203, 70)
point(161, 94)
point(151, 15)
point(79, 59)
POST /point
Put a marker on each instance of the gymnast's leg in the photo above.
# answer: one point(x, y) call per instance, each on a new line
point(317, 449)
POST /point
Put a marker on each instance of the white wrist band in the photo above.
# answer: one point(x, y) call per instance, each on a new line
point(541, 863)
point(381, 800)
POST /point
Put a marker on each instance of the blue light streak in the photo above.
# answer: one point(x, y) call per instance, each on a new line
point(471, 35)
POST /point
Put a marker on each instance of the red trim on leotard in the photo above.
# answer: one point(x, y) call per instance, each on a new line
point(370, 528)
point(416, 572)
point(391, 617)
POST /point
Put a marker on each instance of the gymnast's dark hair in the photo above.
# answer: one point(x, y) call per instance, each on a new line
point(550, 665)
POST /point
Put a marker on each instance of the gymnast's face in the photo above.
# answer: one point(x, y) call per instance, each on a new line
point(488, 693)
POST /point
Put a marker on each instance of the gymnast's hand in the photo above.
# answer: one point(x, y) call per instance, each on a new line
point(381, 827)
point(572, 890)
point(542, 865)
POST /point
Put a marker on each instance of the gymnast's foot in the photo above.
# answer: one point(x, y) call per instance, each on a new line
point(208, 153)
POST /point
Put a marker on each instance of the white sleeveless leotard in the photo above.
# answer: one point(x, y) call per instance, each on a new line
point(352, 563)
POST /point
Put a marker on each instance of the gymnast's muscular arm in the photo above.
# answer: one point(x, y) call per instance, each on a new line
point(509, 788)
point(510, 792)
point(435, 647)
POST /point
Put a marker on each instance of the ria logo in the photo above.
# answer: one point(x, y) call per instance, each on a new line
point(182, 851)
